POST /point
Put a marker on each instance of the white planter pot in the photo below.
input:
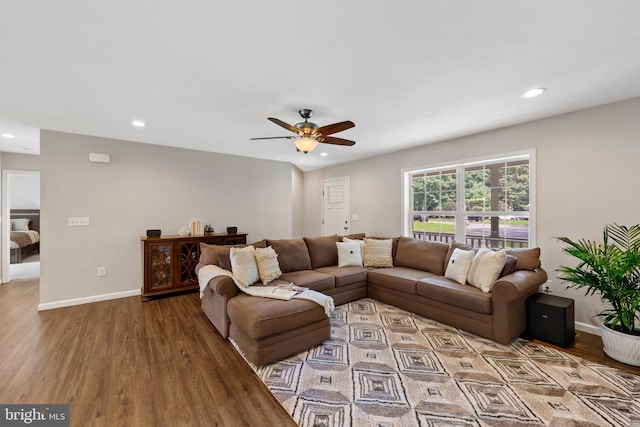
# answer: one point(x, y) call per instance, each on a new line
point(624, 348)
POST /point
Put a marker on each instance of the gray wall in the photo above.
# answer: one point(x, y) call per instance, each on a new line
point(144, 186)
point(587, 176)
point(16, 161)
point(24, 191)
point(297, 206)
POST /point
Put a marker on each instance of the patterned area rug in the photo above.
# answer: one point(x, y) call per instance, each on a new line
point(387, 367)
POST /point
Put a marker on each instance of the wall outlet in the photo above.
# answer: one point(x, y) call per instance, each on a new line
point(102, 271)
point(79, 221)
point(545, 288)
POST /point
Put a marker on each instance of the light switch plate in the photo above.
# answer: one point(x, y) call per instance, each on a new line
point(79, 221)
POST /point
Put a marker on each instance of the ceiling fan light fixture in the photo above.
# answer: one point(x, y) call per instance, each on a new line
point(305, 144)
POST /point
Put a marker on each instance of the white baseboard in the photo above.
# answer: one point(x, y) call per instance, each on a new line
point(87, 300)
point(592, 329)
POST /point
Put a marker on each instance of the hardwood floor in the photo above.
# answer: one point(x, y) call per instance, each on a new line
point(128, 363)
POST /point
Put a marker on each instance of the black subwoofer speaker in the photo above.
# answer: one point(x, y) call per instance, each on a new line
point(551, 318)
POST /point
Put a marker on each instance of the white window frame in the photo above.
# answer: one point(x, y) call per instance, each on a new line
point(460, 214)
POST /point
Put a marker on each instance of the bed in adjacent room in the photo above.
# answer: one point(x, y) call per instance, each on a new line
point(25, 234)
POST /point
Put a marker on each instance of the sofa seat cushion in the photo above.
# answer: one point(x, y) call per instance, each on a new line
point(263, 317)
point(399, 278)
point(346, 276)
point(310, 279)
point(447, 291)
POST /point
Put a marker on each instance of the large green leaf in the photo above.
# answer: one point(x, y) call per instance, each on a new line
point(610, 268)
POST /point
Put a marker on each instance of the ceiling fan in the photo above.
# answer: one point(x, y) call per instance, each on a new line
point(310, 134)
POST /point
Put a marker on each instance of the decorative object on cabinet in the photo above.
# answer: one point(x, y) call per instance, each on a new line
point(169, 261)
point(196, 228)
point(232, 229)
point(154, 233)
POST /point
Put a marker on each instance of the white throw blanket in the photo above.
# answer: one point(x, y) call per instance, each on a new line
point(208, 272)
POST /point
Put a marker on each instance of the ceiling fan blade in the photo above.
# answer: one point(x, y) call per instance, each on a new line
point(334, 128)
point(272, 137)
point(283, 124)
point(336, 141)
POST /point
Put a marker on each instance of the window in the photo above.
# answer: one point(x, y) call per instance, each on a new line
point(485, 202)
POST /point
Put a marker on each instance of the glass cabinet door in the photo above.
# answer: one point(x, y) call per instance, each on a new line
point(160, 268)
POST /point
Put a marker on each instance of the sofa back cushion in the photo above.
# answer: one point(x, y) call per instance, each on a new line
point(354, 236)
point(528, 258)
point(322, 250)
point(293, 254)
point(422, 255)
point(209, 253)
point(213, 254)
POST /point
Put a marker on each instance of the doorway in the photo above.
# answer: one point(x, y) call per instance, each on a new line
point(336, 202)
point(21, 208)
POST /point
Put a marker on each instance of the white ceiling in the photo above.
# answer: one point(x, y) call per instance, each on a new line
point(206, 74)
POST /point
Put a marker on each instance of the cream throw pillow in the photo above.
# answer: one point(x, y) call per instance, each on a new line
point(459, 265)
point(243, 265)
point(486, 268)
point(268, 266)
point(378, 253)
point(349, 254)
point(20, 224)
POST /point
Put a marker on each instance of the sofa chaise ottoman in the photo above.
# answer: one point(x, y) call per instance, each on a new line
point(269, 329)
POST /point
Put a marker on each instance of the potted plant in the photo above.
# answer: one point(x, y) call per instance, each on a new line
point(611, 268)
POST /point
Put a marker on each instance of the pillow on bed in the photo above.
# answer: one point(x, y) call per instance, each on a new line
point(20, 224)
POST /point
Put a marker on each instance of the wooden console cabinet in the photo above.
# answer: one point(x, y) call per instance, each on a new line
point(169, 262)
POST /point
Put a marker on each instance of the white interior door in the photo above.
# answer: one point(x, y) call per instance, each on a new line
point(335, 206)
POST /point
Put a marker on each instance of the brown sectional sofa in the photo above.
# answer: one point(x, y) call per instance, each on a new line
point(267, 330)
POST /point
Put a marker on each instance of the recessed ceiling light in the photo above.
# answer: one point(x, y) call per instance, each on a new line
point(534, 92)
point(8, 135)
point(324, 154)
point(138, 123)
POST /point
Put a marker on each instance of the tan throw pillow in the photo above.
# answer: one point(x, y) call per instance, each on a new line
point(243, 265)
point(486, 268)
point(268, 266)
point(459, 265)
point(377, 253)
point(349, 254)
